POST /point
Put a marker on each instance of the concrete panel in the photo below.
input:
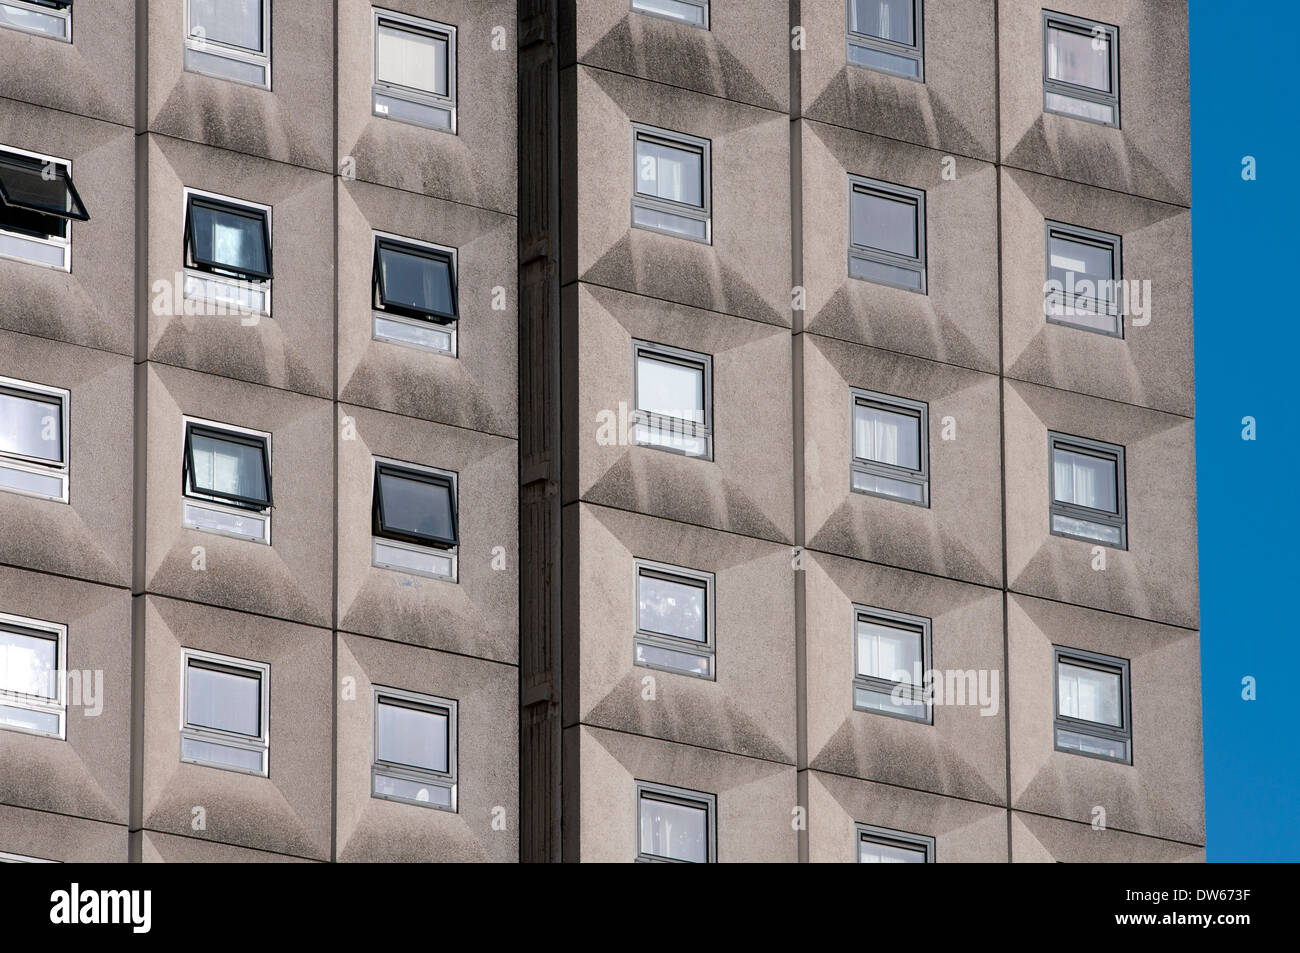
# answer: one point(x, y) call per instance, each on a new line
point(1163, 792)
point(963, 753)
point(1155, 578)
point(1150, 154)
point(478, 388)
point(88, 537)
point(952, 110)
point(747, 709)
point(157, 848)
point(291, 578)
point(956, 321)
point(87, 774)
point(959, 535)
point(1152, 365)
point(292, 347)
point(287, 811)
point(485, 828)
point(746, 487)
point(477, 615)
point(1037, 839)
point(62, 839)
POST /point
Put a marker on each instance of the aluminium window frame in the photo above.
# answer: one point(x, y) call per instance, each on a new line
point(217, 504)
point(224, 278)
point(914, 51)
point(245, 668)
point(703, 5)
point(9, 858)
point(419, 97)
point(887, 837)
point(36, 465)
point(1094, 448)
point(449, 780)
point(241, 437)
point(898, 621)
point(229, 51)
point(56, 632)
point(61, 12)
point(1095, 237)
point(901, 405)
point(450, 553)
point(63, 242)
point(1089, 28)
point(687, 798)
point(675, 643)
point(653, 203)
point(663, 423)
point(919, 264)
point(1111, 664)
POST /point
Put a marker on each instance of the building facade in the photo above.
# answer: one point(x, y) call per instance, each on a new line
point(469, 430)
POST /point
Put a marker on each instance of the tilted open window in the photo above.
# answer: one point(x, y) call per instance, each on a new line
point(414, 519)
point(52, 18)
point(38, 203)
point(227, 252)
point(227, 480)
point(414, 294)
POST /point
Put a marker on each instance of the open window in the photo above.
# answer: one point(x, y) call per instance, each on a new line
point(1087, 490)
point(33, 668)
point(891, 447)
point(38, 203)
point(225, 722)
point(226, 477)
point(671, 190)
point(414, 519)
point(675, 825)
point(886, 35)
point(891, 654)
point(414, 294)
point(880, 845)
point(34, 439)
point(52, 18)
point(414, 749)
point(229, 39)
point(1092, 705)
point(887, 234)
point(414, 70)
point(1081, 68)
point(227, 253)
point(675, 619)
point(674, 399)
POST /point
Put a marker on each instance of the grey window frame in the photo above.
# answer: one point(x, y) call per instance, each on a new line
point(228, 739)
point(56, 9)
point(891, 471)
point(703, 5)
point(914, 52)
point(57, 633)
point(668, 354)
point(886, 837)
point(419, 97)
point(894, 620)
point(868, 253)
point(1083, 658)
point(1082, 25)
point(35, 465)
point(1096, 448)
point(687, 798)
point(61, 241)
point(449, 780)
point(671, 642)
point(237, 54)
point(1090, 236)
point(702, 213)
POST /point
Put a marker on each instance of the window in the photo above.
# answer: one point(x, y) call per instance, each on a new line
point(891, 447)
point(671, 191)
point(674, 399)
point(414, 70)
point(880, 845)
point(1087, 483)
point(414, 749)
point(1081, 68)
point(34, 439)
point(227, 253)
point(693, 12)
point(229, 39)
point(414, 290)
point(226, 710)
point(886, 35)
point(38, 204)
point(891, 654)
point(1083, 273)
point(887, 234)
point(227, 480)
point(414, 519)
point(1092, 705)
point(675, 825)
point(33, 665)
point(46, 17)
point(674, 619)
point(7, 858)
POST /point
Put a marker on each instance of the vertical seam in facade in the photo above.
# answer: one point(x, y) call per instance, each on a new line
point(334, 444)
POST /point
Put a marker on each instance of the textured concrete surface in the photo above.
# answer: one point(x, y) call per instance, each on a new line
point(1037, 839)
point(61, 838)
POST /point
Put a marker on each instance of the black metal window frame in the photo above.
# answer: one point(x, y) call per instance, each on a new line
point(192, 260)
point(229, 436)
point(380, 300)
point(379, 525)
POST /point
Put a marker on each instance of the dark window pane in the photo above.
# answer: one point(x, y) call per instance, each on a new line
point(417, 507)
point(885, 223)
point(228, 238)
point(27, 183)
point(416, 281)
point(224, 700)
point(886, 19)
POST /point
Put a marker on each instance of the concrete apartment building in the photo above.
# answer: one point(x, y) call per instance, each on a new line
point(469, 430)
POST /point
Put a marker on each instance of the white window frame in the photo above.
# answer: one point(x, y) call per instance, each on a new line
point(216, 736)
point(638, 6)
point(209, 280)
point(403, 556)
point(8, 858)
point(34, 465)
point(58, 706)
point(449, 781)
point(648, 424)
point(227, 51)
point(697, 213)
point(378, 88)
point(408, 331)
point(64, 244)
point(670, 794)
point(201, 501)
point(63, 15)
point(671, 643)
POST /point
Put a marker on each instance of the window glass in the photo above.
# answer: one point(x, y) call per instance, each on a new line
point(413, 505)
point(1089, 694)
point(671, 607)
point(411, 58)
point(886, 436)
point(696, 14)
point(889, 653)
point(31, 427)
point(227, 467)
point(1085, 260)
point(669, 172)
point(670, 388)
point(224, 700)
point(674, 830)
point(885, 223)
point(412, 736)
point(233, 22)
point(885, 19)
point(29, 664)
point(227, 238)
point(416, 280)
point(1084, 480)
point(874, 852)
point(1079, 58)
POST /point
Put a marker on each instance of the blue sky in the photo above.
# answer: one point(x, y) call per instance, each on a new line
point(1244, 86)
